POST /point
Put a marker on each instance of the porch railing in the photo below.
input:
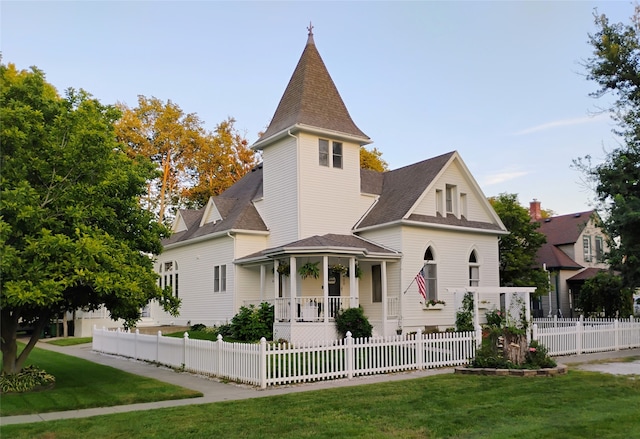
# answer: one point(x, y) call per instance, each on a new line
point(311, 308)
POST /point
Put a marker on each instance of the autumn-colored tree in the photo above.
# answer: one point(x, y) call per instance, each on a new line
point(169, 137)
point(223, 160)
point(372, 159)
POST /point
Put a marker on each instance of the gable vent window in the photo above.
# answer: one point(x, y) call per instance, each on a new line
point(450, 193)
point(599, 249)
point(337, 155)
point(323, 152)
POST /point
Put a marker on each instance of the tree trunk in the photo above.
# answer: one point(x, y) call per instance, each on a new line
point(515, 347)
point(12, 362)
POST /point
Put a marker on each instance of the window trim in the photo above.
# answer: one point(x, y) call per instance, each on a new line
point(474, 266)
point(430, 273)
point(220, 278)
point(337, 155)
point(586, 248)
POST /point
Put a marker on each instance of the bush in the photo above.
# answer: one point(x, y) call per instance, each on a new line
point(495, 318)
point(28, 379)
point(353, 320)
point(251, 323)
point(464, 317)
point(538, 357)
point(198, 327)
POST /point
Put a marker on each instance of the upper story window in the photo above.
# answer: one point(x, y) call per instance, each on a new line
point(219, 278)
point(430, 273)
point(323, 152)
point(450, 193)
point(586, 248)
point(599, 249)
point(169, 276)
point(324, 158)
point(337, 155)
point(439, 201)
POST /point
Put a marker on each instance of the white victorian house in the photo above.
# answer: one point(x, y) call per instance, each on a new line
point(309, 204)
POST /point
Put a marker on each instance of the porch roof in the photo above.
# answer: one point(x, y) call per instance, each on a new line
point(330, 243)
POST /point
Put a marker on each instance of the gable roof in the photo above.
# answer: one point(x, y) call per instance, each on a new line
point(561, 230)
point(564, 229)
point(311, 99)
point(234, 206)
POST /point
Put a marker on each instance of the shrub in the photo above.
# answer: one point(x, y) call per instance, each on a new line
point(495, 318)
point(28, 379)
point(198, 327)
point(353, 320)
point(538, 357)
point(251, 323)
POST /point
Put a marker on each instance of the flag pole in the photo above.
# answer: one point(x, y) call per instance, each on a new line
point(414, 279)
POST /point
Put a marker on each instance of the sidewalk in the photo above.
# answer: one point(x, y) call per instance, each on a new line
point(216, 391)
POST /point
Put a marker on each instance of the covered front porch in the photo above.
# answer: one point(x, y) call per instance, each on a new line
point(309, 285)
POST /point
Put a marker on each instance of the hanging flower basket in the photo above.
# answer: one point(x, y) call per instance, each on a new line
point(338, 269)
point(284, 269)
point(310, 269)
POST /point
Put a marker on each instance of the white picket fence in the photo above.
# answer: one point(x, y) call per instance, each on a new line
point(264, 364)
point(578, 336)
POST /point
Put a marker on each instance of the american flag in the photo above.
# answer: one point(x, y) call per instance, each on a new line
point(421, 285)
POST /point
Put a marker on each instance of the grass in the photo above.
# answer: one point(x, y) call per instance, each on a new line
point(195, 335)
point(576, 405)
point(82, 384)
point(70, 341)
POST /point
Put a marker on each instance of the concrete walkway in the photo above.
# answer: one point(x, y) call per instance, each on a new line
point(216, 391)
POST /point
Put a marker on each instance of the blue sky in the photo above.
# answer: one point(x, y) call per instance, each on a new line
point(501, 82)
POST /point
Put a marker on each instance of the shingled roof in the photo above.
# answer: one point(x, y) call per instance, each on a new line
point(561, 230)
point(235, 206)
point(311, 98)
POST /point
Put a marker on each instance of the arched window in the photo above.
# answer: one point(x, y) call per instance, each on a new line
point(474, 270)
point(169, 276)
point(430, 275)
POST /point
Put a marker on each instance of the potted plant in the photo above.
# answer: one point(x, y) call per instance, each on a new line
point(284, 269)
point(338, 269)
point(310, 269)
point(434, 304)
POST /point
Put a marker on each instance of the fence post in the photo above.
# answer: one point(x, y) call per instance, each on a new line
point(349, 355)
point(263, 363)
point(219, 347)
point(616, 328)
point(579, 332)
point(420, 350)
point(534, 332)
point(95, 341)
point(185, 339)
point(478, 336)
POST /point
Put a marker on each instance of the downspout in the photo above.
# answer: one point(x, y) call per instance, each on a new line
point(558, 293)
point(233, 238)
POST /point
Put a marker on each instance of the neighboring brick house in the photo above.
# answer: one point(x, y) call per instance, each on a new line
point(310, 204)
point(574, 252)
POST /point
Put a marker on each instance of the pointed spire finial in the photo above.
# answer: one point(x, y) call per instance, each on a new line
point(310, 29)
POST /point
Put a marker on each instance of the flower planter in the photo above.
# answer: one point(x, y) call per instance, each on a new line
point(437, 306)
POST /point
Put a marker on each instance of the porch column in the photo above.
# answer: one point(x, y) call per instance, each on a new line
point(262, 282)
point(527, 313)
point(276, 283)
point(353, 284)
point(293, 276)
point(385, 311)
point(325, 287)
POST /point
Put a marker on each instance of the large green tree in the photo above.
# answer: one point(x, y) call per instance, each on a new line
point(615, 67)
point(72, 233)
point(518, 249)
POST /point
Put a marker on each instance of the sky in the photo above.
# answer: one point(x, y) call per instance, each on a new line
point(500, 82)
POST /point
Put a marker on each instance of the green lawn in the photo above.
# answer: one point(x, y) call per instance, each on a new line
point(70, 341)
point(577, 405)
point(82, 384)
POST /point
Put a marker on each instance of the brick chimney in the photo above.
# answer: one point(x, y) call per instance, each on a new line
point(534, 210)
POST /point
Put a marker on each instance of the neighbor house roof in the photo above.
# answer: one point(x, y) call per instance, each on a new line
point(585, 274)
point(561, 230)
point(312, 99)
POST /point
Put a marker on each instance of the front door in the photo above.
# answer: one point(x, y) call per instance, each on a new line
point(334, 293)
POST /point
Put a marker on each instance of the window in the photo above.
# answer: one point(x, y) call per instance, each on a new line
point(463, 205)
point(376, 287)
point(430, 275)
point(450, 193)
point(474, 270)
point(219, 278)
point(323, 152)
point(169, 276)
point(599, 249)
point(337, 155)
point(586, 248)
point(439, 208)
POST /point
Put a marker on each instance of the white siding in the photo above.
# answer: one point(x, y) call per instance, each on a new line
point(195, 268)
point(279, 207)
point(476, 208)
point(330, 199)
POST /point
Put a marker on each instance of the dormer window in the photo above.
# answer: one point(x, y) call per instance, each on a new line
point(450, 193)
point(335, 158)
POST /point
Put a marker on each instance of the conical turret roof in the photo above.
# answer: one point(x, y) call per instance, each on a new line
point(312, 99)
